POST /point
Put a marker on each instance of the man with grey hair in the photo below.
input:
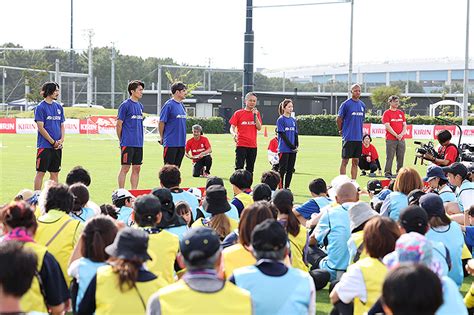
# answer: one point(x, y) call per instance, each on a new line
point(350, 123)
point(275, 287)
point(198, 149)
point(202, 289)
point(243, 126)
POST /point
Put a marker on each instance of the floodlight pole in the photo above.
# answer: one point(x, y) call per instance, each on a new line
point(248, 51)
point(158, 95)
point(466, 72)
point(90, 77)
point(349, 79)
point(112, 77)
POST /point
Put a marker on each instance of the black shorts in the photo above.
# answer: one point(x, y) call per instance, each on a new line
point(351, 149)
point(48, 160)
point(131, 155)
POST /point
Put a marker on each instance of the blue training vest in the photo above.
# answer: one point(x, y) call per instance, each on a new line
point(287, 294)
point(465, 186)
point(398, 202)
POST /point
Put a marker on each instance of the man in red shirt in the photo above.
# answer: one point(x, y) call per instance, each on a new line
point(199, 150)
point(396, 127)
point(447, 152)
point(243, 127)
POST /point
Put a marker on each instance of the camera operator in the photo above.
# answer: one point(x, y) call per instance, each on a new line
point(447, 153)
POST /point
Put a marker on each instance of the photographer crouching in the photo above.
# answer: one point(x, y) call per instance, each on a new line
point(447, 152)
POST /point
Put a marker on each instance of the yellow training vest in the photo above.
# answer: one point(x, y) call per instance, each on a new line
point(297, 244)
point(179, 299)
point(163, 248)
point(358, 238)
point(245, 199)
point(233, 223)
point(33, 300)
point(63, 244)
point(110, 300)
point(373, 271)
point(236, 256)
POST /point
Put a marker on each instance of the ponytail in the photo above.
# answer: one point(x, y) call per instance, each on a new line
point(283, 104)
point(127, 271)
point(221, 224)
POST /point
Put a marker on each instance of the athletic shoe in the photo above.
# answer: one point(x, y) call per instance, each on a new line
point(372, 175)
point(363, 173)
point(388, 175)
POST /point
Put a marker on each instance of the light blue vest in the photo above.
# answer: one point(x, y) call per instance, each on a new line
point(452, 300)
point(322, 202)
point(287, 294)
point(232, 213)
point(178, 230)
point(447, 196)
point(398, 202)
point(86, 214)
point(466, 186)
point(124, 215)
point(451, 236)
point(87, 271)
point(440, 253)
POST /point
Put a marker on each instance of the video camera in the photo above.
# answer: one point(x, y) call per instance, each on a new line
point(424, 148)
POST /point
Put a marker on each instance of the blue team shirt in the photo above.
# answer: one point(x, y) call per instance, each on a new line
point(174, 116)
point(288, 126)
point(353, 115)
point(131, 113)
point(52, 115)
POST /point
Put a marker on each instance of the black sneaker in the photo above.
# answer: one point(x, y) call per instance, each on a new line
point(363, 173)
point(388, 175)
point(372, 174)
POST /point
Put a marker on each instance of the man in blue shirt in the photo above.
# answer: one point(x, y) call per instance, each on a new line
point(350, 121)
point(130, 134)
point(172, 126)
point(49, 116)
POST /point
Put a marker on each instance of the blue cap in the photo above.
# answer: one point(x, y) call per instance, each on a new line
point(433, 172)
point(433, 205)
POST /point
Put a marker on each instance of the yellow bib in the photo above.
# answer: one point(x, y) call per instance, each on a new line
point(233, 223)
point(110, 300)
point(178, 299)
point(236, 256)
point(245, 199)
point(63, 244)
point(33, 300)
point(373, 271)
point(358, 238)
point(163, 248)
point(297, 244)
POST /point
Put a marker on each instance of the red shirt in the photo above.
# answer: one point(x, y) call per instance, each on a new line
point(370, 151)
point(246, 129)
point(197, 146)
point(273, 145)
point(395, 118)
point(450, 153)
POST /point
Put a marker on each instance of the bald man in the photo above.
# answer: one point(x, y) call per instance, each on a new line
point(332, 234)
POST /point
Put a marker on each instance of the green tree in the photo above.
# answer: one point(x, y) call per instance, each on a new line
point(381, 94)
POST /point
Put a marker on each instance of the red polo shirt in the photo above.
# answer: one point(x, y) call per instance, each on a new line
point(197, 146)
point(395, 118)
point(370, 151)
point(246, 128)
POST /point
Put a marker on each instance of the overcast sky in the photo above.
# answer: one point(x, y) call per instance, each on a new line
point(194, 31)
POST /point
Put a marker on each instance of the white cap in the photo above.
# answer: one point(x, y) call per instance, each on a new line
point(121, 193)
point(196, 192)
point(338, 181)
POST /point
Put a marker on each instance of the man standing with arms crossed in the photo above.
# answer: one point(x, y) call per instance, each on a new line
point(350, 121)
point(172, 126)
point(396, 127)
point(49, 116)
point(244, 125)
point(130, 134)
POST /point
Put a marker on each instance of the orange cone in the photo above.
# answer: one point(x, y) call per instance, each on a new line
point(265, 133)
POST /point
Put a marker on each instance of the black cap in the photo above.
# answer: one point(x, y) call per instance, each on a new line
point(216, 200)
point(433, 205)
point(214, 180)
point(374, 186)
point(147, 206)
point(198, 244)
point(129, 244)
point(414, 196)
point(269, 236)
point(414, 219)
point(282, 197)
point(456, 169)
point(262, 192)
point(165, 197)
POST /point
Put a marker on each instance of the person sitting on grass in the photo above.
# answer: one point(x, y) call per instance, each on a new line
point(241, 182)
point(201, 150)
point(272, 179)
point(320, 199)
point(123, 200)
point(369, 160)
point(80, 211)
point(184, 211)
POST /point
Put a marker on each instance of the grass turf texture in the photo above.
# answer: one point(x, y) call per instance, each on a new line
point(100, 155)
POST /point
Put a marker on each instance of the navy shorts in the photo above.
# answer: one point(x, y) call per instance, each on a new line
point(48, 160)
point(131, 155)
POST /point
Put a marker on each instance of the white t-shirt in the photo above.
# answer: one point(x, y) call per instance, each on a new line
point(351, 285)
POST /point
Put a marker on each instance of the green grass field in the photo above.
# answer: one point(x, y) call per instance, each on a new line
point(317, 157)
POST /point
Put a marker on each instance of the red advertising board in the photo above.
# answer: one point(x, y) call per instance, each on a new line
point(7, 125)
point(87, 127)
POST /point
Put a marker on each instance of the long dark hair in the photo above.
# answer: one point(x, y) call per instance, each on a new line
point(19, 214)
point(127, 271)
point(99, 232)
